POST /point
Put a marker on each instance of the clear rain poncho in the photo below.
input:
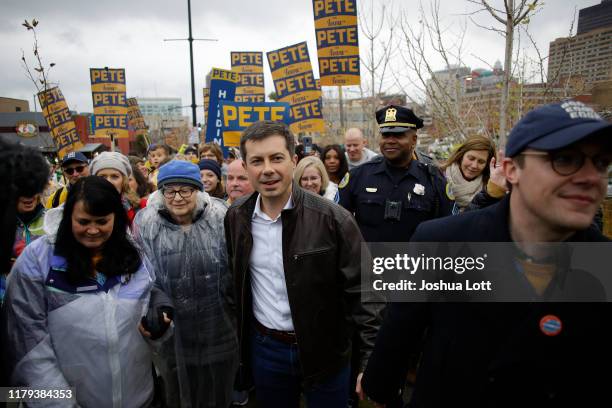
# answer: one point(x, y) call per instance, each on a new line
point(61, 335)
point(198, 363)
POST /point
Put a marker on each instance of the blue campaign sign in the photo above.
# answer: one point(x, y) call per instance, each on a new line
point(222, 87)
point(237, 116)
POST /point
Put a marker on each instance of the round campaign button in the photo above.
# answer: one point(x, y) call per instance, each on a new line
point(550, 325)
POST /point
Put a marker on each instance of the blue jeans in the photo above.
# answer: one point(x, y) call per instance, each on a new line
point(277, 377)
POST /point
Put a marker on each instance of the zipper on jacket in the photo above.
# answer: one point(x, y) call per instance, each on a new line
point(313, 252)
point(113, 349)
point(241, 333)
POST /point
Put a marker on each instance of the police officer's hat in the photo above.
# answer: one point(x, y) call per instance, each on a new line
point(397, 119)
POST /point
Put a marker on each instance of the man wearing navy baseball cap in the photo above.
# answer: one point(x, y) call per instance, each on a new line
point(74, 166)
point(536, 353)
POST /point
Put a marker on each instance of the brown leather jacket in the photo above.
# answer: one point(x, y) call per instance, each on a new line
point(322, 251)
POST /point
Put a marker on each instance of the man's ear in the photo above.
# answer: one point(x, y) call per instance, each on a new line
point(294, 159)
point(511, 170)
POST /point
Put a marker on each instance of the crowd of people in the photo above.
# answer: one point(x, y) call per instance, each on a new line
point(185, 279)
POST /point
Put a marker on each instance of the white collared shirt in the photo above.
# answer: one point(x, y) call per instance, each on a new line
point(270, 299)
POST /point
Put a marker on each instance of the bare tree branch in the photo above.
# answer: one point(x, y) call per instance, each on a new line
point(493, 11)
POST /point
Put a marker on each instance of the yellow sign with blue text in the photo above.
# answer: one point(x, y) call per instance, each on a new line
point(206, 95)
point(58, 117)
point(337, 41)
point(249, 66)
point(295, 84)
point(135, 119)
point(237, 116)
point(109, 102)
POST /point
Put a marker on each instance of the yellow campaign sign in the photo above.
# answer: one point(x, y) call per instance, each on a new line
point(224, 75)
point(249, 98)
point(337, 41)
point(237, 116)
point(109, 102)
point(295, 84)
point(206, 95)
point(135, 119)
point(301, 97)
point(58, 118)
point(249, 66)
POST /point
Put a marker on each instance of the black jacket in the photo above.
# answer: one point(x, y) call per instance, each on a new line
point(492, 355)
point(321, 258)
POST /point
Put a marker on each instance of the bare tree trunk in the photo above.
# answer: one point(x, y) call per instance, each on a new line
point(372, 102)
point(510, 17)
point(503, 108)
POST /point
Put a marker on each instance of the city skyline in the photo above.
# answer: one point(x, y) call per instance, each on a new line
point(77, 36)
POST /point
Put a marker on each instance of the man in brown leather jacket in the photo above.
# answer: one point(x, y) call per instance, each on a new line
point(295, 259)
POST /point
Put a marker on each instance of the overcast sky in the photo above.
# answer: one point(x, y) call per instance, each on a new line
point(77, 35)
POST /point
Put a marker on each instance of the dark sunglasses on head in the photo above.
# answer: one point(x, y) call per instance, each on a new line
point(78, 169)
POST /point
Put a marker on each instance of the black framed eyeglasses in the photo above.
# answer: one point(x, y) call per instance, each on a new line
point(70, 171)
point(185, 192)
point(568, 162)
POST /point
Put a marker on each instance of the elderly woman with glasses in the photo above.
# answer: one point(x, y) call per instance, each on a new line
point(181, 233)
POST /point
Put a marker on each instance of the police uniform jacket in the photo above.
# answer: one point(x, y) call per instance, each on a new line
point(494, 354)
point(420, 190)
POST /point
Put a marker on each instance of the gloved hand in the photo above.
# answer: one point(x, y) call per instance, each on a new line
point(156, 322)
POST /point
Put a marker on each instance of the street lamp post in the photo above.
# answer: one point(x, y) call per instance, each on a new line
point(191, 40)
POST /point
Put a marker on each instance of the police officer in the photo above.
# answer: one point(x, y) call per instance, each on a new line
point(393, 193)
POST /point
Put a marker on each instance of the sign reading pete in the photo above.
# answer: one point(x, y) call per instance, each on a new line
point(109, 102)
point(249, 65)
point(295, 84)
point(237, 116)
point(58, 117)
point(135, 118)
point(337, 41)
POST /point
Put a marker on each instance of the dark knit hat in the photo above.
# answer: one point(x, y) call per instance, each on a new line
point(179, 172)
point(212, 165)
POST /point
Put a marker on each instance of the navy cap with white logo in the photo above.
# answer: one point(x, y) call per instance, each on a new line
point(554, 126)
point(74, 157)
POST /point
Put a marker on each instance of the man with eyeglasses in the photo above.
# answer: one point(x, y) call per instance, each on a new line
point(74, 166)
point(521, 354)
point(181, 233)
